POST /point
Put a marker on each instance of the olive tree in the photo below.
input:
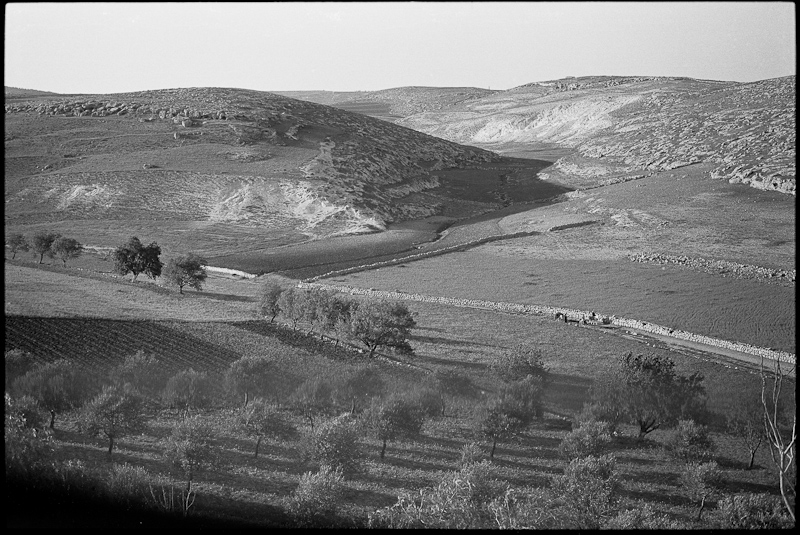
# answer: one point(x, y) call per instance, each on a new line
point(115, 412)
point(191, 448)
point(250, 375)
point(260, 419)
point(382, 324)
point(186, 271)
point(393, 418)
point(66, 248)
point(57, 386)
point(188, 389)
point(313, 398)
point(134, 257)
point(291, 303)
point(268, 300)
point(17, 242)
point(42, 244)
point(744, 420)
point(648, 393)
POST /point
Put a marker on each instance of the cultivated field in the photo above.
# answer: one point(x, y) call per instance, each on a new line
point(183, 331)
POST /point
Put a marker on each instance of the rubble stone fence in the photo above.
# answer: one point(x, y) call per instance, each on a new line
point(570, 313)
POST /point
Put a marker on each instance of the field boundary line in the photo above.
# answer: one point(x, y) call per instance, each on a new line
point(579, 316)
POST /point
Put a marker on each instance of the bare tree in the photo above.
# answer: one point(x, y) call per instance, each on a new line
point(782, 443)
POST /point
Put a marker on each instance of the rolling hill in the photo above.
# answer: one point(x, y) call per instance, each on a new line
point(621, 127)
point(216, 161)
point(616, 128)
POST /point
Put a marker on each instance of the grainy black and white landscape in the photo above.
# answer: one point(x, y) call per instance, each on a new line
point(461, 271)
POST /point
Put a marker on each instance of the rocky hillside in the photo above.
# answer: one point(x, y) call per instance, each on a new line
point(224, 155)
point(621, 127)
point(396, 103)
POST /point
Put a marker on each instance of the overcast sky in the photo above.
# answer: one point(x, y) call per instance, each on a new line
point(111, 48)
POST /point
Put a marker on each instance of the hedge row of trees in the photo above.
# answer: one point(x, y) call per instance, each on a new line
point(49, 244)
point(130, 257)
point(375, 324)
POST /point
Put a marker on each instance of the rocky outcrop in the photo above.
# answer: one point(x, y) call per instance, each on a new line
point(622, 126)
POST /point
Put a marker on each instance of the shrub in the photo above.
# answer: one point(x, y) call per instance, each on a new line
point(29, 410)
point(600, 412)
point(591, 438)
point(751, 511)
point(129, 484)
point(529, 508)
point(317, 496)
point(428, 398)
point(690, 442)
point(523, 399)
point(518, 363)
point(643, 517)
point(18, 363)
point(587, 491)
point(459, 501)
point(26, 447)
point(335, 443)
point(700, 480)
point(470, 454)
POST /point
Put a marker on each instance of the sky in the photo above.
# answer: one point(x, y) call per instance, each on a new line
point(97, 48)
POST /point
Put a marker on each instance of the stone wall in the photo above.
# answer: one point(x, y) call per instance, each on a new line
point(572, 314)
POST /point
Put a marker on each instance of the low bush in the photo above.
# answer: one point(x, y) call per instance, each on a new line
point(460, 501)
point(316, 497)
point(643, 516)
point(690, 442)
point(751, 511)
point(129, 484)
point(334, 443)
point(591, 438)
point(587, 491)
point(470, 454)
